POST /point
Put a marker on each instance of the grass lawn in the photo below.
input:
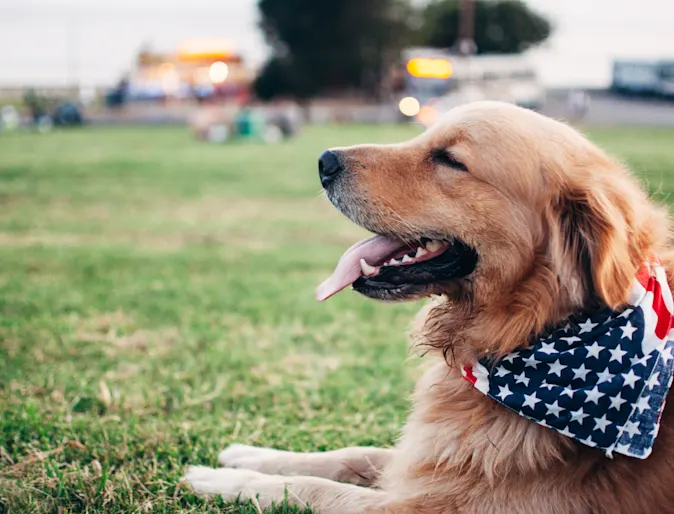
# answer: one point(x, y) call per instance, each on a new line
point(156, 304)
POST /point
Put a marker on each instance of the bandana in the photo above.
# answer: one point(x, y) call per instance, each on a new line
point(602, 379)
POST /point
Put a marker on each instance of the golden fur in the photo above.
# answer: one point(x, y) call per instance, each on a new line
point(558, 226)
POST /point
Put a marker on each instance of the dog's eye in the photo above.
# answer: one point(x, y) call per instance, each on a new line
point(446, 158)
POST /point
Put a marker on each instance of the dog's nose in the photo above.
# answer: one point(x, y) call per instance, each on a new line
point(329, 166)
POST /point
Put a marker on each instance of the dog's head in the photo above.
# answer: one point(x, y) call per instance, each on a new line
point(516, 218)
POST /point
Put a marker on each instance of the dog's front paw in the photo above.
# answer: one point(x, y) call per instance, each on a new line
point(231, 484)
point(247, 457)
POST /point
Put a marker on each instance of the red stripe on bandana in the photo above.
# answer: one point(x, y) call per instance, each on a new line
point(651, 284)
point(468, 374)
point(661, 311)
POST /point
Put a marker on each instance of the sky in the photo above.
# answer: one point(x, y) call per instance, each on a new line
point(52, 42)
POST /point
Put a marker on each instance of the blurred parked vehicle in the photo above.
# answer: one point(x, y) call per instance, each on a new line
point(645, 77)
point(667, 79)
point(433, 79)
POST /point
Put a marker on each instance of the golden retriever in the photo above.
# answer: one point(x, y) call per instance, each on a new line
point(518, 222)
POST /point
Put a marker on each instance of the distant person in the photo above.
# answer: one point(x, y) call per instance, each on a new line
point(579, 103)
point(117, 97)
point(35, 104)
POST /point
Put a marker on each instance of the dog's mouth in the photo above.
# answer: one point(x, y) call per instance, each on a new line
point(386, 268)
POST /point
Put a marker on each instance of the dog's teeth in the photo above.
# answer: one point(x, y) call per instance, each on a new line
point(407, 258)
point(367, 269)
point(420, 251)
point(433, 246)
point(393, 262)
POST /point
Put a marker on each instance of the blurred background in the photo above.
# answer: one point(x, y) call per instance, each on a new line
point(374, 61)
point(162, 227)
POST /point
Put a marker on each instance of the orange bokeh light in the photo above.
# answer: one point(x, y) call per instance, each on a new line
point(427, 115)
point(423, 67)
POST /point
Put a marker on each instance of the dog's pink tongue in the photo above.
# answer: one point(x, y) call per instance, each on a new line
point(373, 249)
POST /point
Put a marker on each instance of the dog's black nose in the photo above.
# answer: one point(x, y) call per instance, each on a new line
point(329, 166)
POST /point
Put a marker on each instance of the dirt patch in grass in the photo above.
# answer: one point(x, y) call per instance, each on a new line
point(118, 331)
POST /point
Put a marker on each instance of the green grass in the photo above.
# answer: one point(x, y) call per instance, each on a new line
point(156, 304)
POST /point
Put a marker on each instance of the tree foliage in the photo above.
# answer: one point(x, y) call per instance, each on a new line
point(326, 45)
point(502, 26)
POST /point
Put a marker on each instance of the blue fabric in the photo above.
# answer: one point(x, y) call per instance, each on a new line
point(590, 380)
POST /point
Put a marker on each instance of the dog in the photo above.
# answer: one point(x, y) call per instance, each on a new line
point(513, 223)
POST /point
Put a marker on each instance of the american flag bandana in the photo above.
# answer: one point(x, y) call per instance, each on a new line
point(602, 379)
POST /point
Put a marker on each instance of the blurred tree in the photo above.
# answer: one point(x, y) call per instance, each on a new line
point(501, 26)
point(327, 45)
point(278, 79)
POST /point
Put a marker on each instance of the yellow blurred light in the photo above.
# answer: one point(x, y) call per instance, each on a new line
point(218, 72)
point(206, 48)
point(409, 106)
point(427, 115)
point(430, 68)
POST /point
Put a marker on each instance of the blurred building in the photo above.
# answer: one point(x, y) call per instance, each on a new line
point(199, 68)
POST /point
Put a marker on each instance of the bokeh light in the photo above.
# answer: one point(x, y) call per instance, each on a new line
point(409, 106)
point(428, 115)
point(430, 68)
point(218, 72)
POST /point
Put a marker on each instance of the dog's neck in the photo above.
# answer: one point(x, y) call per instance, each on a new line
point(462, 331)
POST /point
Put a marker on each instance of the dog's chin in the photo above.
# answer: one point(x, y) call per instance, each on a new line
point(402, 293)
point(447, 273)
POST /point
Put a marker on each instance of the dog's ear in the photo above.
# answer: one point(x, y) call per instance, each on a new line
point(595, 220)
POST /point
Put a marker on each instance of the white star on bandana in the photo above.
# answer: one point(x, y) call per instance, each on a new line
point(594, 394)
point(594, 350)
point(601, 423)
point(587, 326)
